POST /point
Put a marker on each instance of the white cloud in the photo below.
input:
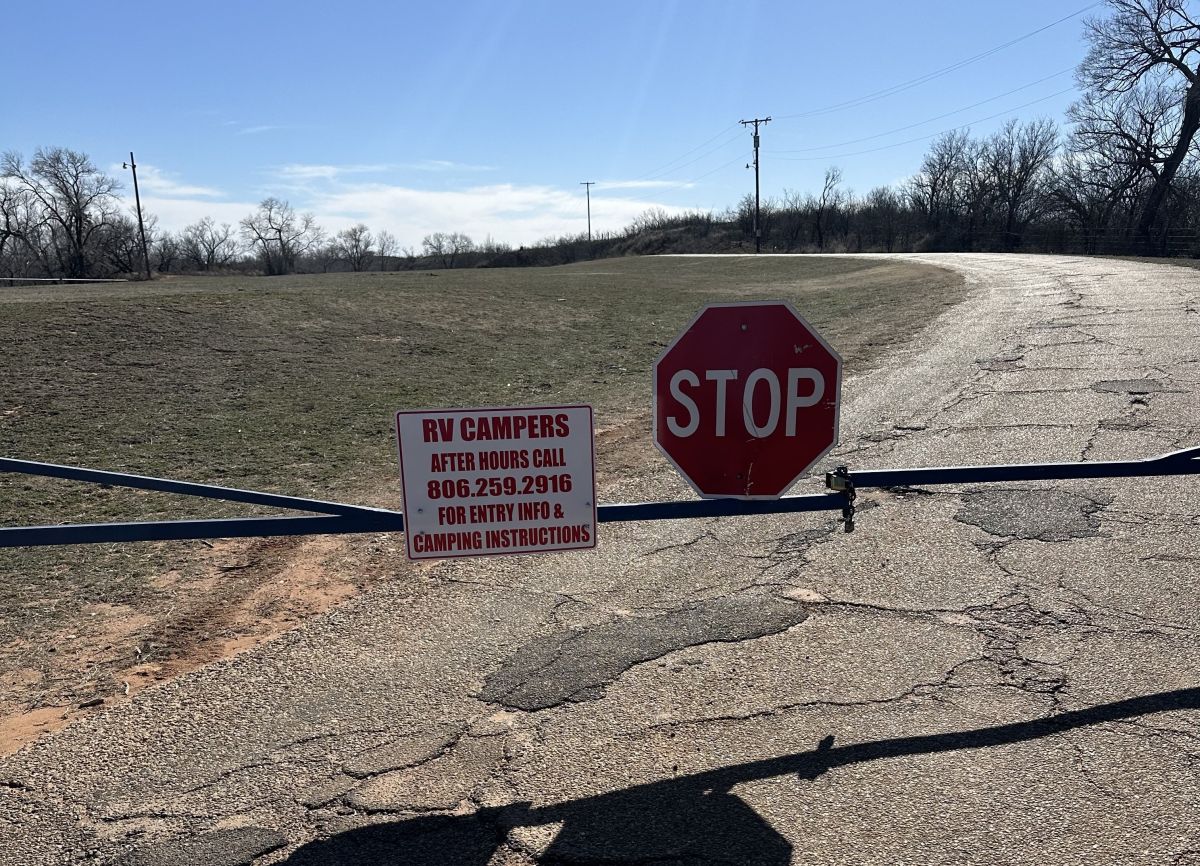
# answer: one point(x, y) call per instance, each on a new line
point(305, 171)
point(301, 171)
point(644, 184)
point(445, 165)
point(175, 213)
point(255, 130)
point(155, 181)
point(507, 212)
point(511, 213)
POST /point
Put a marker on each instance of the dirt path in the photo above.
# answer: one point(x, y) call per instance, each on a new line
point(239, 594)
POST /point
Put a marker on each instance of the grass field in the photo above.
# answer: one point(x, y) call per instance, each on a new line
point(289, 384)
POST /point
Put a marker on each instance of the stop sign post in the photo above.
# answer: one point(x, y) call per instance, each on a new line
point(746, 400)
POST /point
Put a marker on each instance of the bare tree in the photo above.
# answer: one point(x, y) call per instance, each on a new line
point(1152, 44)
point(790, 217)
point(75, 201)
point(1113, 159)
point(446, 247)
point(16, 218)
point(354, 246)
point(385, 246)
point(493, 247)
point(121, 245)
point(279, 236)
point(937, 189)
point(322, 256)
point(1018, 161)
point(164, 252)
point(881, 213)
point(206, 246)
point(829, 200)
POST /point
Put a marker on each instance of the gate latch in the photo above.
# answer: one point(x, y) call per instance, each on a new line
point(839, 480)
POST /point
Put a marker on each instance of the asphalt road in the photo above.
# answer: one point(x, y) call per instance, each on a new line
point(992, 675)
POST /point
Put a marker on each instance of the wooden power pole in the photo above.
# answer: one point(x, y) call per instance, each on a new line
point(137, 197)
point(587, 185)
point(757, 228)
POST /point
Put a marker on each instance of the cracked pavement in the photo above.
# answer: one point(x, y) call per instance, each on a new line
point(982, 674)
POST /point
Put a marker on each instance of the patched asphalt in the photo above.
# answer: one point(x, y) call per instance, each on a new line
point(1042, 515)
point(235, 847)
point(577, 664)
point(978, 675)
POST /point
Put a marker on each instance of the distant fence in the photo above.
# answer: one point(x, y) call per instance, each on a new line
point(12, 281)
point(1181, 242)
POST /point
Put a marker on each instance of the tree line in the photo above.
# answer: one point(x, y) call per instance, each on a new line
point(1122, 177)
point(60, 216)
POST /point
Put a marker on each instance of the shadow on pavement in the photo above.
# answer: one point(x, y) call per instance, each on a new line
point(685, 821)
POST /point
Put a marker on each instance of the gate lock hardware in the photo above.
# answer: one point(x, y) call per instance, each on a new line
point(840, 481)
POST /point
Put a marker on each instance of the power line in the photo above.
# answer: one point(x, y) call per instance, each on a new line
point(928, 119)
point(926, 137)
point(664, 168)
point(670, 167)
point(715, 170)
point(729, 140)
point(937, 73)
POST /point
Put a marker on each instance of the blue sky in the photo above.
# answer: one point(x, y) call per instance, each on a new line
point(484, 117)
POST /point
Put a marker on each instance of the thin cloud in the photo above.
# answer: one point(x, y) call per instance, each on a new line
point(155, 181)
point(446, 165)
point(176, 213)
point(305, 171)
point(644, 184)
point(256, 130)
point(309, 171)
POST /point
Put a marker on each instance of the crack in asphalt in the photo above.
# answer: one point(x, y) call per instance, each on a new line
point(707, 535)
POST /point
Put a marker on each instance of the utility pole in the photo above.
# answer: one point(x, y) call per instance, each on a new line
point(587, 185)
point(137, 197)
point(757, 230)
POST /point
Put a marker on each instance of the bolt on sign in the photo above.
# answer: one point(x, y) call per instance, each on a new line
point(746, 400)
point(483, 482)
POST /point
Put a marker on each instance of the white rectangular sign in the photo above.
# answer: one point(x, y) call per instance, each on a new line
point(482, 482)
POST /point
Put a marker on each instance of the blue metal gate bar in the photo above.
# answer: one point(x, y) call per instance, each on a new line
point(186, 488)
point(1183, 462)
point(340, 518)
point(693, 508)
point(183, 530)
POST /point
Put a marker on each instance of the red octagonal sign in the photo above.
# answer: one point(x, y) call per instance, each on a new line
point(746, 399)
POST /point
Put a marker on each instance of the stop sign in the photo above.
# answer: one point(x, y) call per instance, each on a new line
point(746, 399)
